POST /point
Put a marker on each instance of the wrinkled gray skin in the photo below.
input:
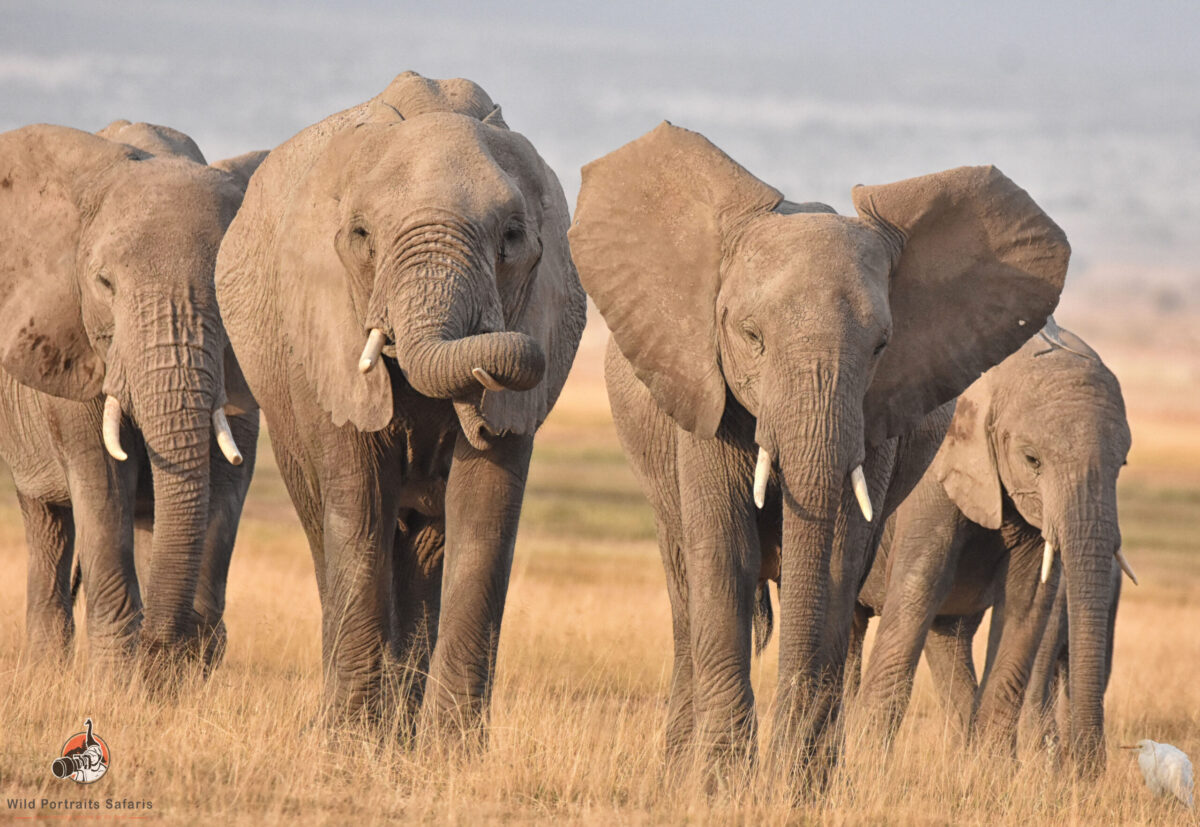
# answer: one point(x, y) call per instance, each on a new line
point(742, 320)
point(1032, 454)
point(418, 213)
point(1046, 712)
point(107, 249)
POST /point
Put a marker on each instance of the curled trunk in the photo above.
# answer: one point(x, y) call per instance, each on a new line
point(437, 293)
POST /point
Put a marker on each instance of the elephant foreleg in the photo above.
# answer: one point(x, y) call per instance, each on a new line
point(948, 650)
point(420, 548)
point(723, 559)
point(923, 562)
point(102, 507)
point(1020, 616)
point(359, 527)
point(49, 619)
point(483, 505)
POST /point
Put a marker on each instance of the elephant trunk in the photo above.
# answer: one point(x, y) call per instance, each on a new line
point(817, 460)
point(1088, 541)
point(437, 292)
point(174, 401)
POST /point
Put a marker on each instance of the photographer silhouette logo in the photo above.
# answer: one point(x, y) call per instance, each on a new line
point(84, 757)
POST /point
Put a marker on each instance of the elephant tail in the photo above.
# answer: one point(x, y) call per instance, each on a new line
point(764, 620)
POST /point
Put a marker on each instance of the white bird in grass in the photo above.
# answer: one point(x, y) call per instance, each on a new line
point(1166, 769)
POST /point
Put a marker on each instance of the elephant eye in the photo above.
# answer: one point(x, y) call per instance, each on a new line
point(510, 242)
point(105, 282)
point(1033, 461)
point(880, 347)
point(753, 335)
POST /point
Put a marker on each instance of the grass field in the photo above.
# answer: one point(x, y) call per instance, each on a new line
point(579, 708)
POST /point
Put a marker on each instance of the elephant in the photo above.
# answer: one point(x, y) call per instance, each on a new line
point(118, 390)
point(419, 224)
point(764, 352)
point(1025, 484)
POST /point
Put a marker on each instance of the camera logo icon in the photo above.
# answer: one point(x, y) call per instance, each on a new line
point(84, 757)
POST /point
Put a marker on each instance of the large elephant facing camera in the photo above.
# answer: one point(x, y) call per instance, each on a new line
point(118, 392)
point(745, 326)
point(400, 294)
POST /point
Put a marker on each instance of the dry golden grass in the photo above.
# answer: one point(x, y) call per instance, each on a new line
point(579, 708)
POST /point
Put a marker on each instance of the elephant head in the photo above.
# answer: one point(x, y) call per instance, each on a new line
point(834, 332)
point(1046, 431)
point(106, 277)
point(438, 237)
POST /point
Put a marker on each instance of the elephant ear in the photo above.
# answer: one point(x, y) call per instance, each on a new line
point(283, 240)
point(648, 240)
point(48, 177)
point(965, 465)
point(320, 323)
point(554, 314)
point(980, 268)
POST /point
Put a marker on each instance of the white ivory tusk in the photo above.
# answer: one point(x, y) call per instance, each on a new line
point(762, 473)
point(371, 350)
point(225, 438)
point(1047, 561)
point(1125, 567)
point(858, 480)
point(486, 379)
point(110, 428)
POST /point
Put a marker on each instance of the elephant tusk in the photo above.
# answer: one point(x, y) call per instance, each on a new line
point(1047, 561)
point(110, 429)
point(1125, 567)
point(371, 351)
point(858, 481)
point(762, 473)
point(486, 379)
point(225, 438)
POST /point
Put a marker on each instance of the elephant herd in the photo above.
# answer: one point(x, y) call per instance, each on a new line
point(395, 289)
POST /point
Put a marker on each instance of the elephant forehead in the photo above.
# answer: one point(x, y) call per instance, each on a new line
point(821, 258)
point(445, 155)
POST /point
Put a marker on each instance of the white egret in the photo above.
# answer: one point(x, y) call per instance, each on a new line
point(1166, 769)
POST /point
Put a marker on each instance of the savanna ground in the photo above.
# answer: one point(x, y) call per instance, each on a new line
point(580, 700)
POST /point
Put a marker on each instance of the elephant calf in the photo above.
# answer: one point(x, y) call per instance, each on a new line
point(118, 392)
point(399, 291)
point(1026, 476)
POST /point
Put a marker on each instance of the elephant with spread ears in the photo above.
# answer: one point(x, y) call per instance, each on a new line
point(1023, 487)
point(766, 359)
point(400, 294)
point(123, 414)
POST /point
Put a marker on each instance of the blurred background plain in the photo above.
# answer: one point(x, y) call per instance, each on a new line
point(1094, 108)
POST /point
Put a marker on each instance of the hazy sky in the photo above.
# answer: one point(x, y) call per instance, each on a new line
point(1092, 106)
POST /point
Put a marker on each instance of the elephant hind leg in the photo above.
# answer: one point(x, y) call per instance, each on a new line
point(49, 615)
point(948, 650)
